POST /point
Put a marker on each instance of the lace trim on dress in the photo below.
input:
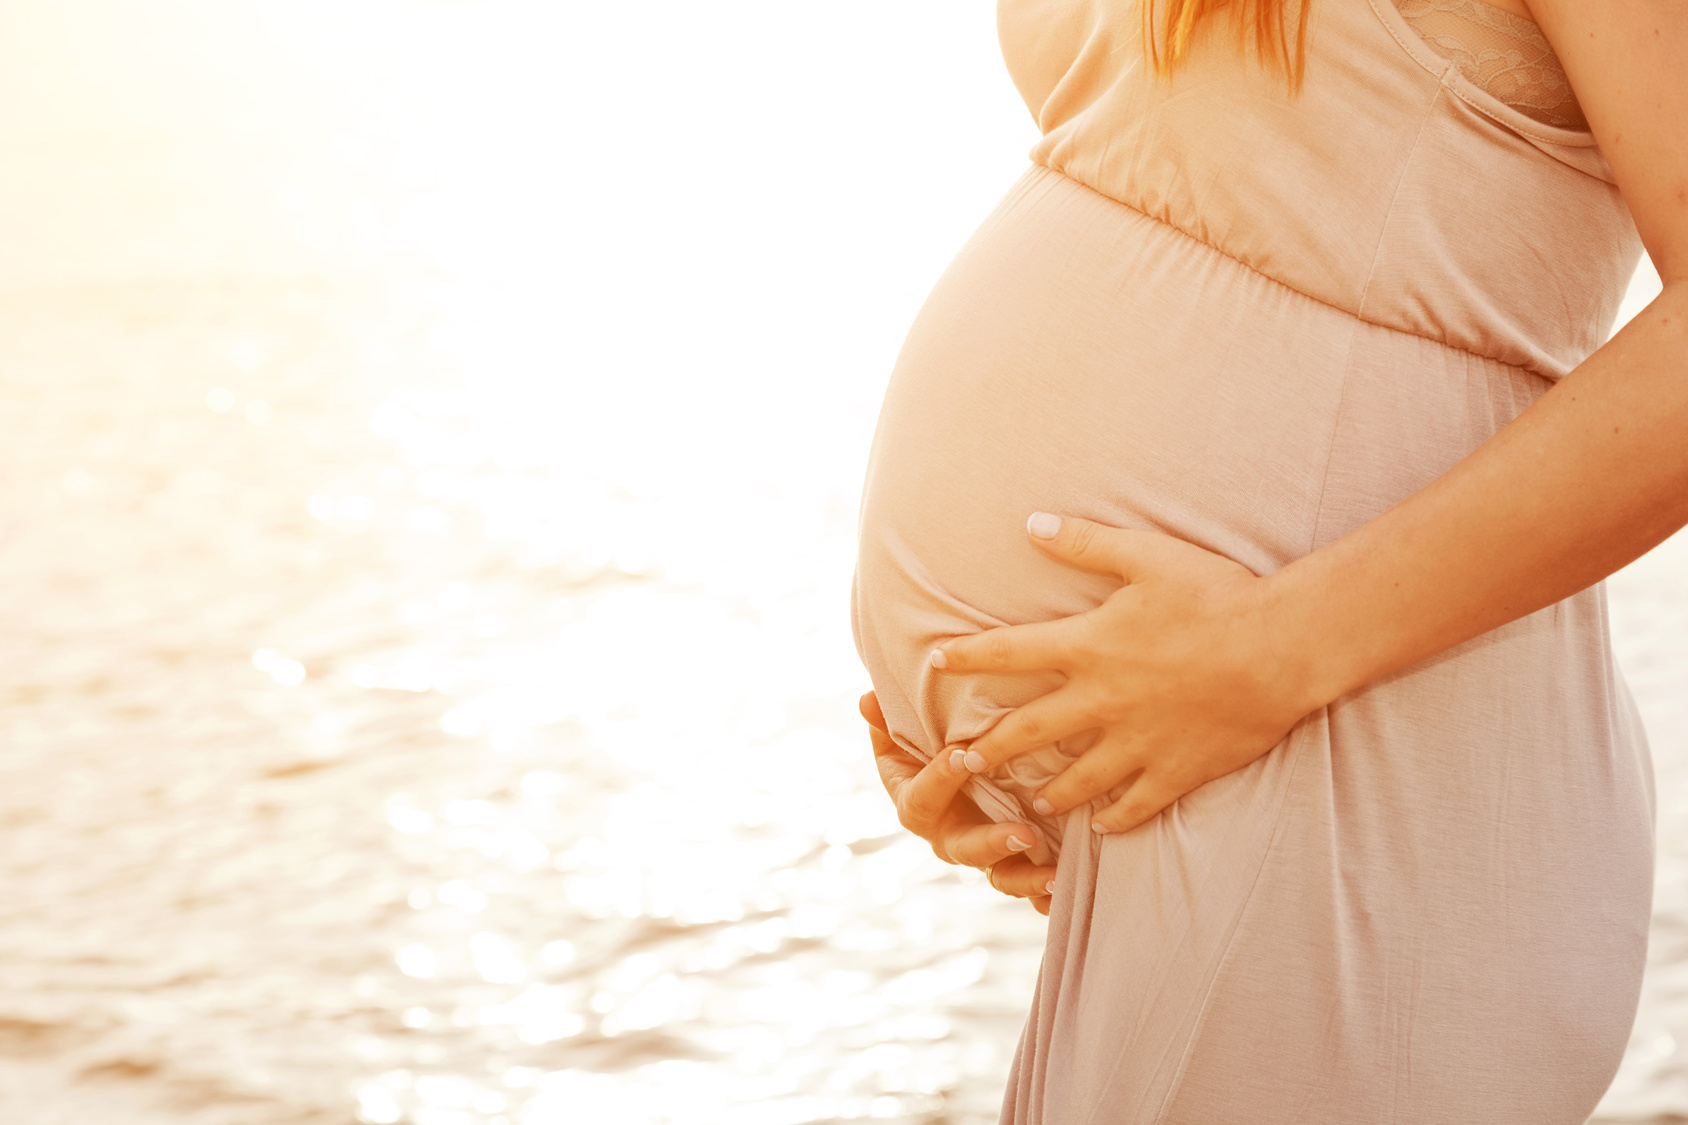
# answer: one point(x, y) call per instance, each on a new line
point(1503, 54)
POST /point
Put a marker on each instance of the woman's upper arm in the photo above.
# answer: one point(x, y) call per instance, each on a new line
point(1628, 62)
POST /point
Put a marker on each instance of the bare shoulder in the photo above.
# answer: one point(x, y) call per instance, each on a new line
point(1628, 62)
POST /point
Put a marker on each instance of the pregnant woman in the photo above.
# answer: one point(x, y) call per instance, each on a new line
point(1289, 345)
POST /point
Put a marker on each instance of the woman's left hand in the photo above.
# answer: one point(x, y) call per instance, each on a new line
point(1178, 670)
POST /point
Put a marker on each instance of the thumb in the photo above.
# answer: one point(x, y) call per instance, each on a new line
point(1094, 546)
point(868, 705)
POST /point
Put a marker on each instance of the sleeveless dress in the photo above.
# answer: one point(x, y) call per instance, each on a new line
point(1256, 321)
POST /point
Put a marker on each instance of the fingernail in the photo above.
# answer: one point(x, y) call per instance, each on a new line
point(1049, 887)
point(939, 660)
point(958, 759)
point(1043, 525)
point(1099, 828)
point(976, 761)
point(1042, 807)
point(1015, 844)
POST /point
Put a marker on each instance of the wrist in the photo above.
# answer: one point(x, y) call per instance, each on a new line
point(1311, 655)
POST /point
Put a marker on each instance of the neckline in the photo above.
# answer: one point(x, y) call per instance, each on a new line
point(1448, 73)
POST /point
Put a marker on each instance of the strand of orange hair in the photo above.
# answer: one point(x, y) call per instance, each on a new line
point(1262, 28)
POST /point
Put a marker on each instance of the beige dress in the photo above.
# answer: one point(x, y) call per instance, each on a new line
point(1256, 321)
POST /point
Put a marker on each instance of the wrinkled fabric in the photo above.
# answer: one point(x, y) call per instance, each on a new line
point(1255, 322)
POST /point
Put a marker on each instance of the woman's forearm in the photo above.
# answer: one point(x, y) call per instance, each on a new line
point(1589, 478)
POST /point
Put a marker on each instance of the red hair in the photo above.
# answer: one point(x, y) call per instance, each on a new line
point(1261, 28)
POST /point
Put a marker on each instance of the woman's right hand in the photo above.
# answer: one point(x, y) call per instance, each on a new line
point(931, 805)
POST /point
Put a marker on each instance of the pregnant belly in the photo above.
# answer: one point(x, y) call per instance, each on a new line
point(1081, 358)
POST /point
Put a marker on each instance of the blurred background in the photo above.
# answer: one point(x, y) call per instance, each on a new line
point(429, 442)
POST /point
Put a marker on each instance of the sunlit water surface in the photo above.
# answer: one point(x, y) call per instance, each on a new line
point(431, 439)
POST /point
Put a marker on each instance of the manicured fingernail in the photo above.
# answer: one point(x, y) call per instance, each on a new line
point(1049, 887)
point(1043, 525)
point(1015, 844)
point(976, 761)
point(1042, 807)
point(1099, 828)
point(958, 759)
point(939, 660)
